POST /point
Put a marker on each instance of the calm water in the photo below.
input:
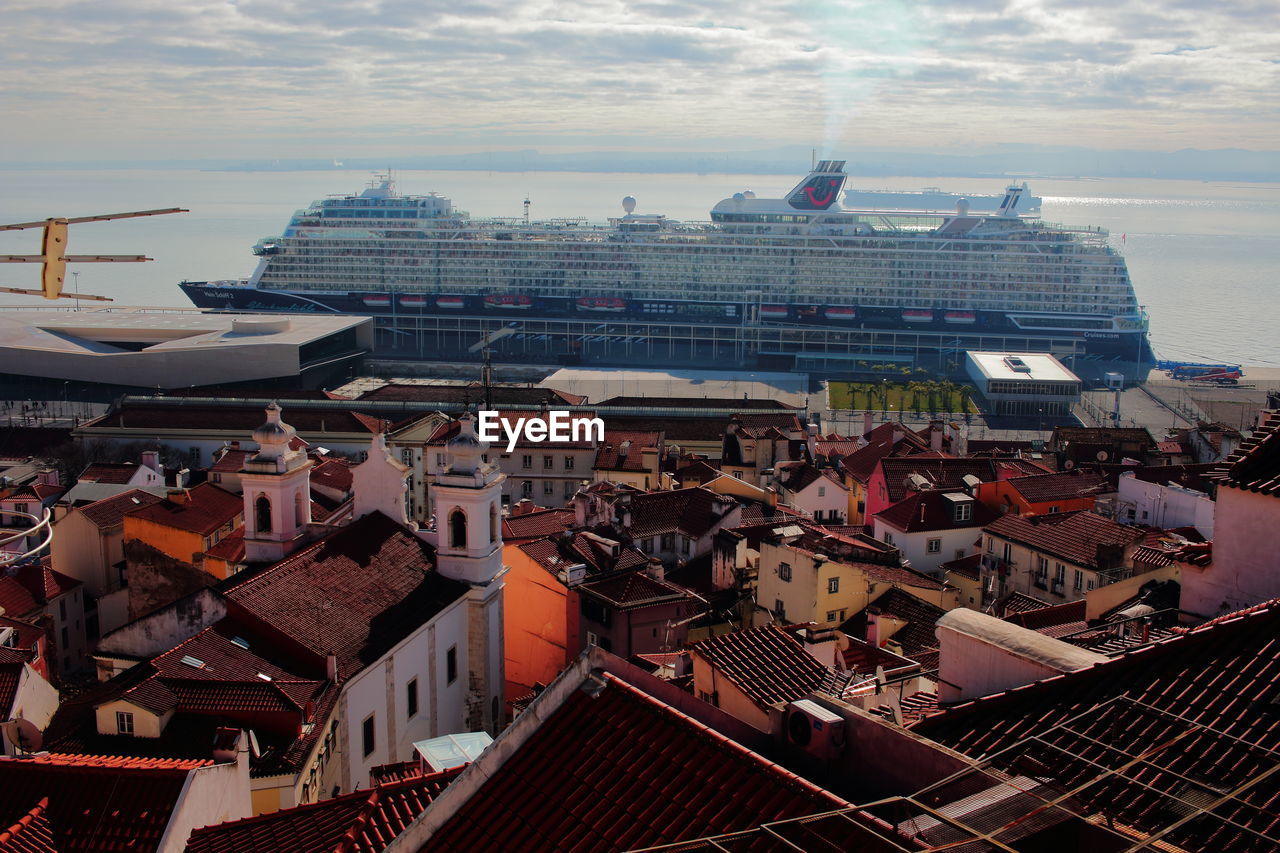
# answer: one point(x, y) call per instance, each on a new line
point(1203, 256)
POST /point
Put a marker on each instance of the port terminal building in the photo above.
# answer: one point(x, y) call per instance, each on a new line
point(1023, 383)
point(149, 348)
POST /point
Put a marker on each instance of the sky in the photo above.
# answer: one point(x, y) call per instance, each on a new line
point(189, 79)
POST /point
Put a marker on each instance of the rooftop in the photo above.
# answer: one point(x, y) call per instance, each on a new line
point(768, 664)
point(1255, 464)
point(1065, 486)
point(940, 472)
point(623, 450)
point(109, 512)
point(1082, 537)
point(694, 512)
point(1022, 367)
point(633, 590)
point(930, 511)
point(204, 509)
point(920, 616)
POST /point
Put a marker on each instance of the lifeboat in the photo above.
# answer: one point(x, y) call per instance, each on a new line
point(508, 300)
point(413, 301)
point(774, 312)
point(844, 315)
point(377, 301)
point(612, 304)
point(917, 315)
point(960, 317)
point(807, 311)
point(450, 302)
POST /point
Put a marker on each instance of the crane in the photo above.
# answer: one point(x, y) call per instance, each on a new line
point(53, 252)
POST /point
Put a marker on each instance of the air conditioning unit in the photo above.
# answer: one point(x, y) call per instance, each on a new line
point(814, 729)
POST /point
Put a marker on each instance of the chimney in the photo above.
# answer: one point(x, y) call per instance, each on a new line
point(48, 477)
point(177, 496)
point(331, 668)
point(935, 436)
point(873, 627)
point(151, 459)
point(866, 422)
point(580, 509)
point(624, 448)
point(811, 442)
point(898, 434)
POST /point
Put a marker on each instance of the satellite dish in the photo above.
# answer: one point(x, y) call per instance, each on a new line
point(629, 203)
point(23, 734)
point(1069, 464)
point(1102, 456)
point(842, 640)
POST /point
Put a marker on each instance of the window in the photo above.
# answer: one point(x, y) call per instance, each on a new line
point(822, 491)
point(833, 585)
point(784, 572)
point(568, 463)
point(457, 529)
point(593, 639)
point(964, 511)
point(548, 487)
point(991, 545)
point(831, 616)
point(451, 665)
point(493, 522)
point(1053, 508)
point(368, 735)
point(547, 463)
point(193, 456)
point(262, 512)
point(888, 538)
point(686, 545)
point(1059, 573)
point(779, 609)
point(1078, 582)
point(411, 698)
point(935, 546)
point(1088, 585)
point(1042, 566)
point(124, 722)
point(406, 456)
point(66, 639)
point(62, 608)
point(526, 489)
point(439, 460)
point(526, 461)
point(668, 541)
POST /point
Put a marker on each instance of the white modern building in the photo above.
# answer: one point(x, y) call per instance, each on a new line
point(1028, 383)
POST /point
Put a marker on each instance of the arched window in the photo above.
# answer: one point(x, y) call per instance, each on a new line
point(457, 529)
point(493, 522)
point(262, 511)
point(297, 509)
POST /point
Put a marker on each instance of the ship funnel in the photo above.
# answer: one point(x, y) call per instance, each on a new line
point(1012, 195)
point(821, 188)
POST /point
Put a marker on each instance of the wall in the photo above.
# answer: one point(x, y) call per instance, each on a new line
point(540, 624)
point(165, 628)
point(1246, 565)
point(145, 723)
point(833, 499)
point(1157, 505)
point(379, 689)
point(35, 700)
point(955, 542)
point(1104, 598)
point(213, 794)
point(80, 550)
point(708, 681)
point(1002, 497)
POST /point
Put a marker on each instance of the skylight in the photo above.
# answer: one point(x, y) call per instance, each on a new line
point(193, 662)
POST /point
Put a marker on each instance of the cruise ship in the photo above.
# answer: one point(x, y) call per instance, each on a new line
point(799, 282)
point(934, 199)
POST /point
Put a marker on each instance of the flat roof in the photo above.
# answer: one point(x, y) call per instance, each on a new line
point(1043, 367)
point(597, 383)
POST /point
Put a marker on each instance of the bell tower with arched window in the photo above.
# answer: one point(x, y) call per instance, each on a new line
point(467, 497)
point(277, 491)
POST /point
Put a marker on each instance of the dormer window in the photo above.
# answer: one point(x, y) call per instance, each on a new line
point(124, 722)
point(964, 511)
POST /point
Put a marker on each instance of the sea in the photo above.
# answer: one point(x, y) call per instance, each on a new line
point(1204, 256)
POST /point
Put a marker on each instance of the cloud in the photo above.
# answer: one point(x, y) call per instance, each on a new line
point(209, 77)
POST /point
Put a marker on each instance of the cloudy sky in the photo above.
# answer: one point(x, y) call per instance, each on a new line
point(107, 79)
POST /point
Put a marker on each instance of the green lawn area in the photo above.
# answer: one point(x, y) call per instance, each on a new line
point(922, 397)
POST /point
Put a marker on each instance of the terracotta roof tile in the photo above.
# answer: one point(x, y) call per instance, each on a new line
point(31, 834)
point(108, 472)
point(535, 525)
point(43, 582)
point(768, 664)
point(633, 590)
point(609, 457)
point(97, 804)
point(932, 510)
point(10, 676)
point(1079, 537)
point(969, 567)
point(231, 461)
point(205, 509)
point(920, 616)
point(1221, 676)
point(1020, 602)
point(235, 419)
point(852, 550)
point(941, 472)
point(355, 593)
point(694, 512)
point(1255, 464)
point(628, 771)
point(333, 474)
point(359, 822)
point(15, 599)
point(109, 512)
point(1068, 485)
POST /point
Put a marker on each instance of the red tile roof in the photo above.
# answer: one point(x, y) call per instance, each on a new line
point(118, 473)
point(633, 590)
point(1055, 620)
point(355, 593)
point(1065, 486)
point(969, 567)
point(43, 582)
point(97, 804)
point(535, 525)
point(359, 822)
point(1255, 464)
point(609, 456)
point(10, 676)
point(1083, 538)
point(333, 474)
point(231, 546)
point(109, 512)
point(239, 420)
point(926, 511)
point(31, 834)
point(941, 472)
point(627, 771)
point(767, 424)
point(768, 664)
point(694, 512)
point(1020, 602)
point(472, 393)
point(921, 617)
point(206, 508)
point(231, 461)
point(1197, 704)
point(15, 599)
point(851, 551)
